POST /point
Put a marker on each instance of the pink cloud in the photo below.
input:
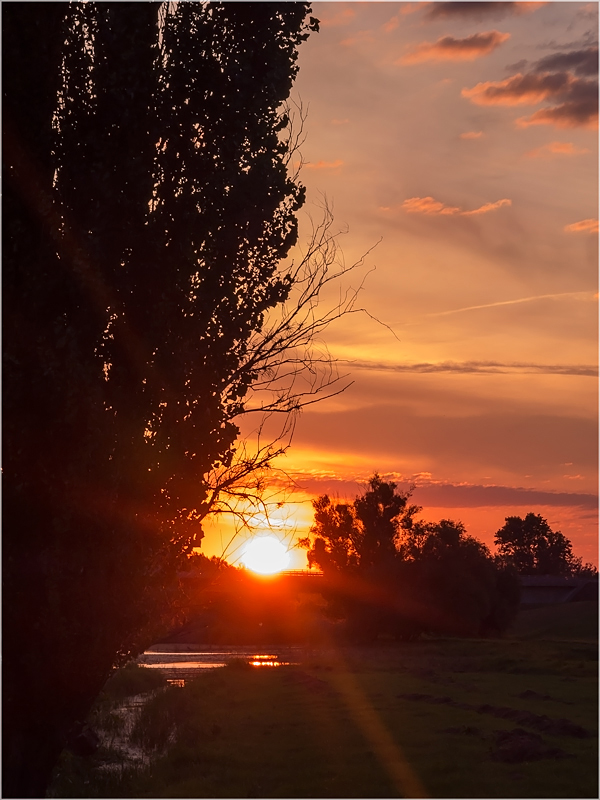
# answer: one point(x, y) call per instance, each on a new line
point(471, 135)
point(450, 49)
point(583, 226)
point(517, 90)
point(406, 8)
point(428, 205)
point(487, 207)
point(556, 149)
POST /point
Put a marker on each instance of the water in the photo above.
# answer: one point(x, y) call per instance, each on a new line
point(180, 662)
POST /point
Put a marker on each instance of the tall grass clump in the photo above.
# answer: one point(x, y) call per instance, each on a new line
point(159, 719)
point(133, 679)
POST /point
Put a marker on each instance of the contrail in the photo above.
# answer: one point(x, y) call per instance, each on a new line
point(582, 295)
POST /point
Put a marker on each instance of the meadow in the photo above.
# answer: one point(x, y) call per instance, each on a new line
point(440, 717)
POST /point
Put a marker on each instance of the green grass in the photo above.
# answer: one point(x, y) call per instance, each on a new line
point(571, 621)
point(340, 725)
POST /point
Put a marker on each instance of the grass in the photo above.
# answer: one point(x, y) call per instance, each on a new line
point(387, 721)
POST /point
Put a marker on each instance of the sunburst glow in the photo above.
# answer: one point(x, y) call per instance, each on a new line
point(266, 555)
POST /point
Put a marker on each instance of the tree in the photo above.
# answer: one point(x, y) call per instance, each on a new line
point(533, 548)
point(147, 207)
point(362, 534)
point(390, 573)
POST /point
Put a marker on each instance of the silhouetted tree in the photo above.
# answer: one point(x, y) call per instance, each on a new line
point(147, 206)
point(389, 573)
point(533, 548)
point(362, 533)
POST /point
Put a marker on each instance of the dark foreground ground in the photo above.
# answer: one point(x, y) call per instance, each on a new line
point(516, 717)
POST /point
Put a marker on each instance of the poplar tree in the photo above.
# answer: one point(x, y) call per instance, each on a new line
point(147, 206)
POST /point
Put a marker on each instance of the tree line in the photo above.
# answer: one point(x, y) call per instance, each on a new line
point(388, 572)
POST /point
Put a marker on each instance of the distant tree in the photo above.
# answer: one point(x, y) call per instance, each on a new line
point(359, 534)
point(533, 548)
point(147, 206)
point(389, 573)
point(464, 588)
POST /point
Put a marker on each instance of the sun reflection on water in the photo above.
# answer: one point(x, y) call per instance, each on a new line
point(266, 661)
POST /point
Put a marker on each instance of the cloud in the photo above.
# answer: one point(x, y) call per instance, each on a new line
point(519, 89)
point(583, 226)
point(484, 209)
point(585, 296)
point(450, 49)
point(478, 11)
point(448, 495)
point(393, 22)
point(471, 135)
point(581, 62)
point(339, 121)
point(428, 205)
point(579, 111)
point(575, 98)
point(478, 367)
point(324, 164)
point(557, 149)
point(444, 494)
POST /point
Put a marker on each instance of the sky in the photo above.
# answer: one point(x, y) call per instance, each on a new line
point(456, 144)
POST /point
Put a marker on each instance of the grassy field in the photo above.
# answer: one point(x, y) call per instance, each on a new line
point(440, 718)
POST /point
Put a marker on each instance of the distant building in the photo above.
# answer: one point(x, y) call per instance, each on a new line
point(544, 589)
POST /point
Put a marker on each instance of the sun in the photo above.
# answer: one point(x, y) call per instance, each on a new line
point(265, 554)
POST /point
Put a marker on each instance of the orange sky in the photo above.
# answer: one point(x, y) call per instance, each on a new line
point(464, 136)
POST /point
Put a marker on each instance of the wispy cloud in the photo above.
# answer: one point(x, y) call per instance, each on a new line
point(431, 206)
point(478, 11)
point(487, 207)
point(405, 8)
point(324, 164)
point(477, 368)
point(585, 296)
point(428, 492)
point(447, 495)
point(447, 48)
point(471, 135)
point(583, 226)
point(557, 149)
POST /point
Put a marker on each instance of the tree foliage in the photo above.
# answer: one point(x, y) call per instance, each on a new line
point(531, 546)
point(147, 208)
point(363, 533)
point(391, 573)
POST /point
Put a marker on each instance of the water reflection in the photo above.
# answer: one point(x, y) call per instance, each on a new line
point(267, 661)
point(182, 664)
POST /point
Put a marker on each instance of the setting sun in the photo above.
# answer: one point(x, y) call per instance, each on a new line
point(265, 554)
